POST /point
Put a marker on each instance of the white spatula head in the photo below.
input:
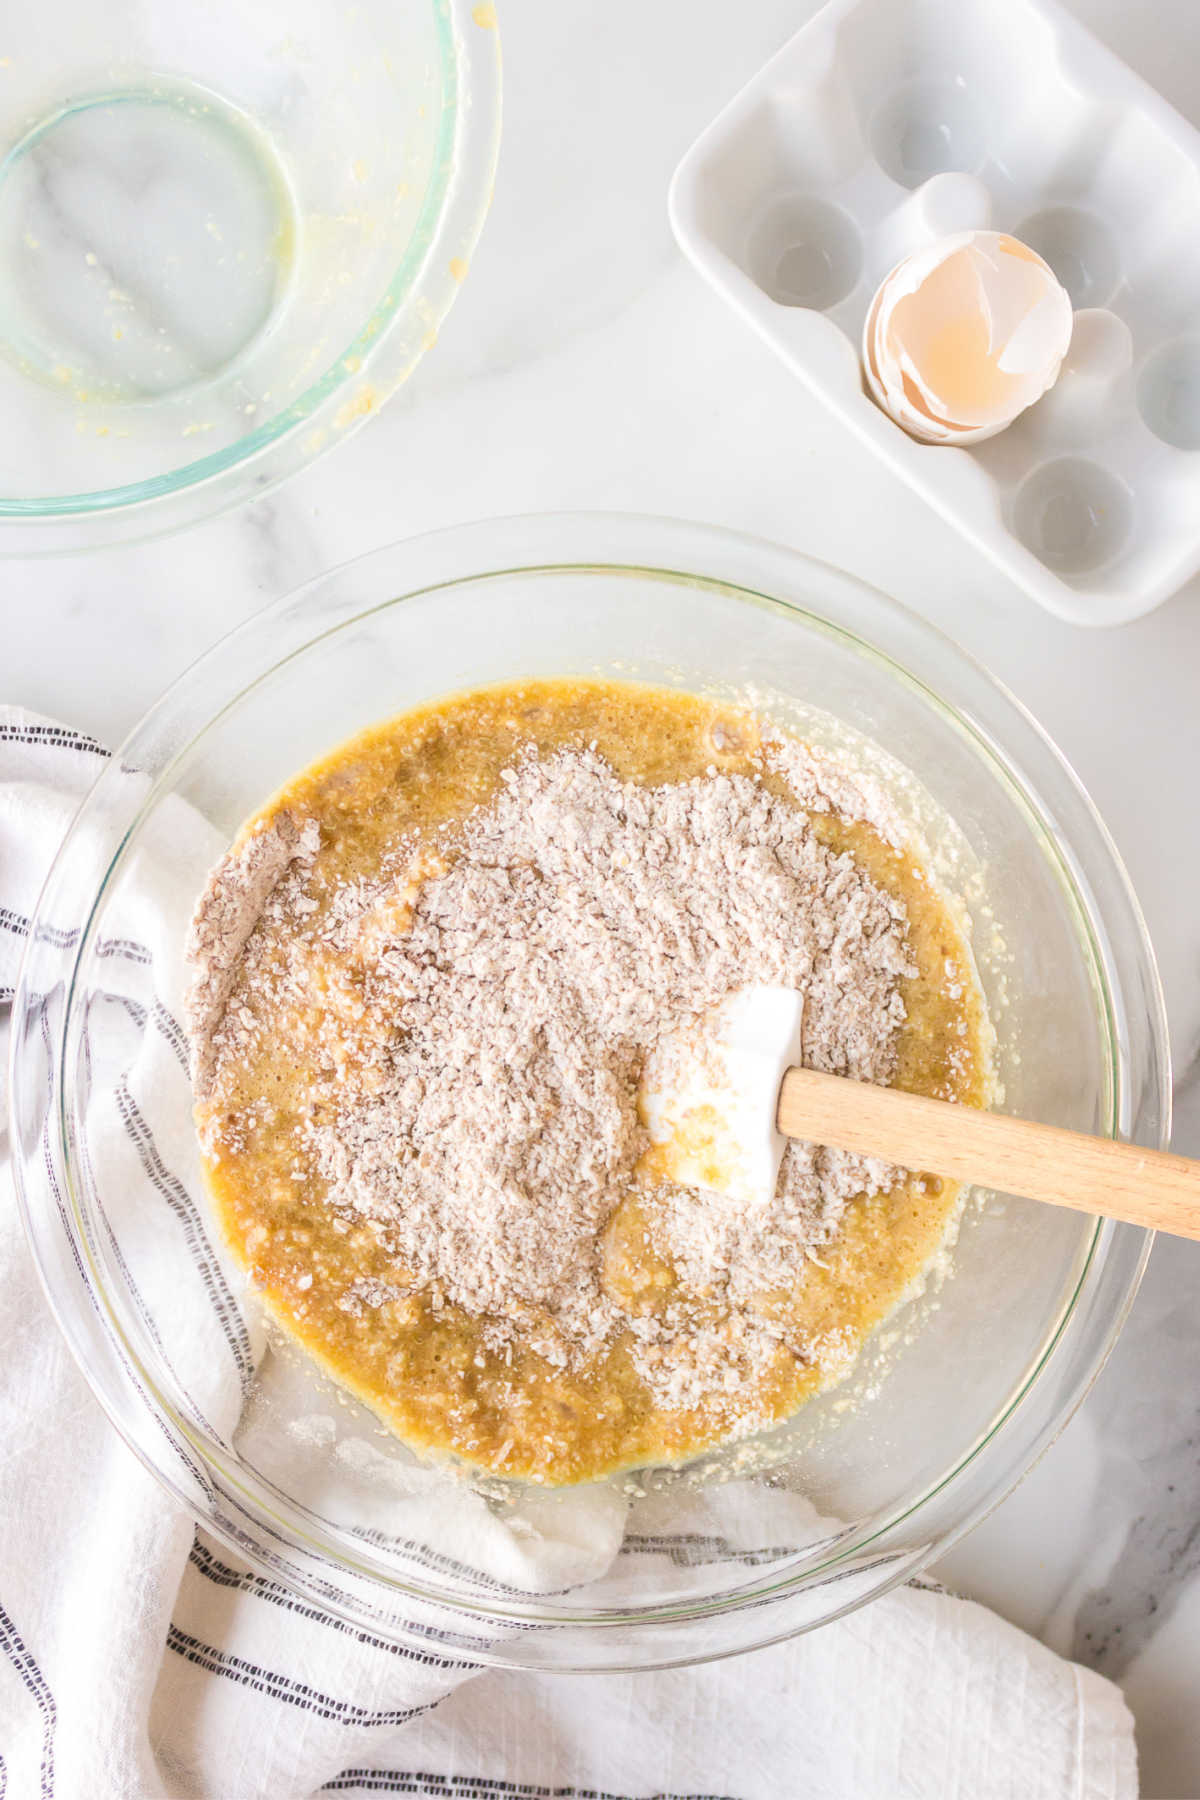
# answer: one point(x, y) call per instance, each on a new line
point(709, 1094)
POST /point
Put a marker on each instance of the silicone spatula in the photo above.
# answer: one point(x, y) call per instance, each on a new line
point(726, 1125)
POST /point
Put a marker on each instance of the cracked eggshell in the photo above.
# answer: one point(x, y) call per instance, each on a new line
point(965, 334)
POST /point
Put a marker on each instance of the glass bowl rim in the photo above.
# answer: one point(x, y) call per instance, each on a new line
point(453, 209)
point(623, 543)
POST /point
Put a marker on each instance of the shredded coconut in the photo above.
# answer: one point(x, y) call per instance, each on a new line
point(485, 1012)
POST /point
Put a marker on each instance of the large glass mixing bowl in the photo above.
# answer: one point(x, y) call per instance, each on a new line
point(951, 1402)
point(228, 232)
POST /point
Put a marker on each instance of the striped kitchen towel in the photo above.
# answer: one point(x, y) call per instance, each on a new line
point(139, 1657)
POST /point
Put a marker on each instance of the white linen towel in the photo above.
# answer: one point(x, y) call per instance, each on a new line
point(140, 1658)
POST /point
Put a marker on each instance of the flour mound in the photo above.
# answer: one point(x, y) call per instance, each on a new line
point(480, 1106)
point(582, 917)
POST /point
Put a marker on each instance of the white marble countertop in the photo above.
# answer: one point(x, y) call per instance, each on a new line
point(586, 366)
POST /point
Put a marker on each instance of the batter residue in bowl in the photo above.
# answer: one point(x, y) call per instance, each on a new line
point(426, 980)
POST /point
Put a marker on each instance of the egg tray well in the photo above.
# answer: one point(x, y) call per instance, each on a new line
point(886, 124)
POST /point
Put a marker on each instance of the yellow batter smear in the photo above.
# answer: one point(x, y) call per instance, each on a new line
point(422, 1365)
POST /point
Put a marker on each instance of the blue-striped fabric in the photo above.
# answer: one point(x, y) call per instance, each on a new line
point(140, 1659)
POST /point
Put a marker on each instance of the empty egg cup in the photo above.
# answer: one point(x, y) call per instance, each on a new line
point(883, 127)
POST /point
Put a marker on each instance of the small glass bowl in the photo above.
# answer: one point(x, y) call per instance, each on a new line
point(950, 1403)
point(228, 233)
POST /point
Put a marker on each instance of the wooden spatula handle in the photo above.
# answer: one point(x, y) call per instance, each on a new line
point(1015, 1156)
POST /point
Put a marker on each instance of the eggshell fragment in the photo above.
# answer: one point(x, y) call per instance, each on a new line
point(965, 334)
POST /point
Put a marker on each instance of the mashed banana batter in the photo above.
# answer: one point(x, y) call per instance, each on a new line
point(425, 979)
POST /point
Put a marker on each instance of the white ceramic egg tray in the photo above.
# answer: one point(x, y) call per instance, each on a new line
point(884, 124)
